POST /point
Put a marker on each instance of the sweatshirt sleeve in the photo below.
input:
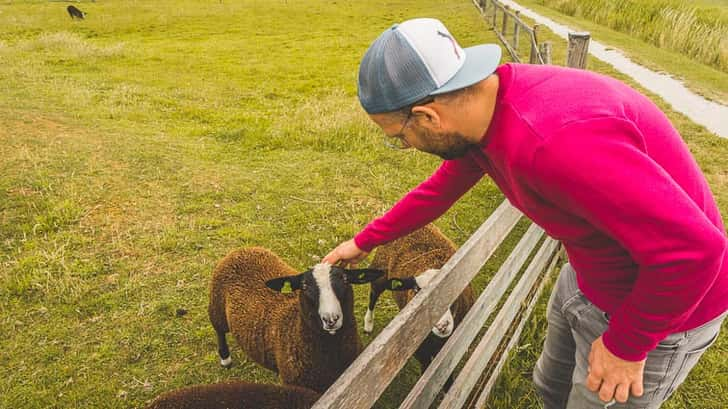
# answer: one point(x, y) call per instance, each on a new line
point(423, 204)
point(600, 171)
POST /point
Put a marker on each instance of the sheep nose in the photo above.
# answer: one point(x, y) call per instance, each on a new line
point(444, 329)
point(331, 320)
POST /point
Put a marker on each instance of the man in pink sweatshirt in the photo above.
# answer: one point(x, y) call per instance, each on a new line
point(600, 168)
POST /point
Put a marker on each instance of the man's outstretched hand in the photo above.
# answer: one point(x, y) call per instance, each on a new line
point(611, 376)
point(346, 253)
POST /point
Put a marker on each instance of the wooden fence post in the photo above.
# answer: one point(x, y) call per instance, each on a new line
point(533, 58)
point(545, 49)
point(516, 29)
point(505, 21)
point(495, 15)
point(578, 50)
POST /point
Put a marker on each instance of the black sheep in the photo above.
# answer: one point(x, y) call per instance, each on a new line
point(75, 13)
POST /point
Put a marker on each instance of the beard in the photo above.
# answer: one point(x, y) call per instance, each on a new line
point(447, 145)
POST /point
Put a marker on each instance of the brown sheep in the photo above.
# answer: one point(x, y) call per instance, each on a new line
point(418, 255)
point(236, 395)
point(299, 325)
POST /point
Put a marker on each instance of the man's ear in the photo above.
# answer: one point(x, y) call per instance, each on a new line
point(285, 285)
point(401, 284)
point(428, 115)
point(363, 275)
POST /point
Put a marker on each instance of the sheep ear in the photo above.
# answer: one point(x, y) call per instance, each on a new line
point(285, 285)
point(364, 275)
point(401, 284)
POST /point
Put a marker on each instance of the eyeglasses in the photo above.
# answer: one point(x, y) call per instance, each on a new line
point(398, 140)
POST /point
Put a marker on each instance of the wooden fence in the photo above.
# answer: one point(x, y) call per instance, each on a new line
point(510, 29)
point(513, 32)
point(370, 374)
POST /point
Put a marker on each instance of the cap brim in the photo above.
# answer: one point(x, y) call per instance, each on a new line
point(480, 62)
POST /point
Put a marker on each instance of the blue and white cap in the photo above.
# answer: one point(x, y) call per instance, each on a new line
point(418, 58)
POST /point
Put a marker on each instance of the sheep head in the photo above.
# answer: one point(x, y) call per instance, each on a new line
point(445, 325)
point(325, 293)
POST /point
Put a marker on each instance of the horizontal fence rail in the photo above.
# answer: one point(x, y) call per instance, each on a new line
point(466, 382)
point(539, 53)
point(369, 375)
point(485, 392)
point(366, 379)
point(432, 380)
point(519, 27)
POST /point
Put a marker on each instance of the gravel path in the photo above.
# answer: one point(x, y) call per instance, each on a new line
point(712, 115)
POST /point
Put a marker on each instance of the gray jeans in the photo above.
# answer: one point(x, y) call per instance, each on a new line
point(574, 323)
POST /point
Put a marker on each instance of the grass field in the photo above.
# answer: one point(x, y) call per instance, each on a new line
point(141, 145)
point(696, 29)
point(702, 79)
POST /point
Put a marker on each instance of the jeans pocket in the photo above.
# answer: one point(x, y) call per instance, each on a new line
point(671, 343)
point(661, 362)
point(687, 360)
point(573, 309)
point(584, 316)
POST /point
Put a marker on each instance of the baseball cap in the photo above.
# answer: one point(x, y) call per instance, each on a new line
point(418, 58)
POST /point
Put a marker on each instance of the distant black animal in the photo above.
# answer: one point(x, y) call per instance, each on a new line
point(75, 13)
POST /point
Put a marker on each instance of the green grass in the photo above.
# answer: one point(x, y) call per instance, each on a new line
point(698, 31)
point(138, 148)
point(708, 81)
point(715, 5)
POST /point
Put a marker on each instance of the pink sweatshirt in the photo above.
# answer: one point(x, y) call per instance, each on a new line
point(601, 169)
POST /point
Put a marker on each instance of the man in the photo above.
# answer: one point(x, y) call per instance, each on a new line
point(599, 167)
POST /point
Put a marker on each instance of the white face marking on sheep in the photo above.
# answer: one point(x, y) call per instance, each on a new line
point(369, 321)
point(329, 306)
point(444, 327)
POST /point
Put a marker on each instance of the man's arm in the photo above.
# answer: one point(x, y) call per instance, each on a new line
point(423, 204)
point(420, 206)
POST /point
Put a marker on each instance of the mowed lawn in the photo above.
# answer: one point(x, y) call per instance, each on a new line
point(141, 145)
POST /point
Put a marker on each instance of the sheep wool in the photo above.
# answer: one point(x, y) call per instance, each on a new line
point(410, 256)
point(272, 327)
point(236, 395)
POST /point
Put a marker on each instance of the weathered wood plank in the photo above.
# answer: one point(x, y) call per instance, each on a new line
point(495, 15)
point(504, 30)
point(578, 50)
point(517, 333)
point(508, 47)
point(369, 375)
point(545, 49)
point(516, 31)
point(511, 15)
point(432, 380)
point(535, 56)
point(473, 368)
point(482, 5)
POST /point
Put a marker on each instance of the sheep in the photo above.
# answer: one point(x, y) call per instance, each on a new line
point(410, 263)
point(236, 395)
point(75, 13)
point(304, 330)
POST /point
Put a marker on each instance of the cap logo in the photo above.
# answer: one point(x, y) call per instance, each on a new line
point(454, 47)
